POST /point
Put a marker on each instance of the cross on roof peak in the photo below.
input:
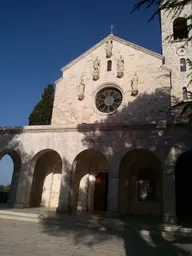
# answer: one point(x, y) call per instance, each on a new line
point(112, 28)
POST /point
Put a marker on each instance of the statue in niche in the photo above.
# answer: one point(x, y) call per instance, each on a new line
point(134, 85)
point(96, 69)
point(109, 48)
point(81, 90)
point(120, 67)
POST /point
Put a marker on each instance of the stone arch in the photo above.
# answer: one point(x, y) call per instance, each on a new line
point(16, 158)
point(140, 172)
point(88, 167)
point(183, 190)
point(45, 172)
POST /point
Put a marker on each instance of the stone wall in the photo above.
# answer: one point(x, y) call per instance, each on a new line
point(153, 85)
point(170, 47)
point(113, 141)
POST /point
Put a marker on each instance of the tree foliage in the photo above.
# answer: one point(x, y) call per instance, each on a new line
point(184, 107)
point(176, 5)
point(5, 188)
point(42, 112)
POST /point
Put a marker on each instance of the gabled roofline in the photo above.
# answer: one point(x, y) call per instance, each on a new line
point(58, 80)
point(117, 39)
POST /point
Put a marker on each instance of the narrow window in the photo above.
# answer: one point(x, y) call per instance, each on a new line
point(109, 65)
point(183, 67)
point(180, 30)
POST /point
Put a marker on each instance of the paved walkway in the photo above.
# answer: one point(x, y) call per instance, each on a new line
point(92, 220)
point(19, 238)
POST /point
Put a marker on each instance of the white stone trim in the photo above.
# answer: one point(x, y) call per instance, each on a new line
point(58, 80)
point(166, 69)
point(81, 126)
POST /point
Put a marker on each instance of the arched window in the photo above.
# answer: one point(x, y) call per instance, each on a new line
point(180, 30)
point(146, 185)
point(183, 67)
point(109, 65)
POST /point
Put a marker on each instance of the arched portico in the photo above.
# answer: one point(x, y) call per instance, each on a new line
point(140, 183)
point(15, 156)
point(183, 186)
point(88, 187)
point(45, 169)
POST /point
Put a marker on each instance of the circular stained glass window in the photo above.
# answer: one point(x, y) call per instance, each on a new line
point(108, 100)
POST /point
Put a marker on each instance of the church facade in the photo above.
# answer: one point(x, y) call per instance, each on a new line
point(112, 145)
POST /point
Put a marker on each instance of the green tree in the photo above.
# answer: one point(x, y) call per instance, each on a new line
point(8, 188)
point(2, 188)
point(42, 112)
point(176, 5)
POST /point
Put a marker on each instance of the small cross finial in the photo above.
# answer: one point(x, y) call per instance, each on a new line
point(111, 27)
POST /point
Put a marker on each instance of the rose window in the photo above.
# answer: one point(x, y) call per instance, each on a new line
point(108, 100)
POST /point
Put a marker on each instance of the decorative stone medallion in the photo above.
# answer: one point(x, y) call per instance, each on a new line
point(182, 51)
point(108, 99)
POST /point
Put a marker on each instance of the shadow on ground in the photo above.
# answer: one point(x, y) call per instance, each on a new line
point(97, 231)
point(132, 240)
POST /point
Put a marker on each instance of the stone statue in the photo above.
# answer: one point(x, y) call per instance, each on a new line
point(109, 48)
point(96, 69)
point(81, 90)
point(134, 85)
point(120, 67)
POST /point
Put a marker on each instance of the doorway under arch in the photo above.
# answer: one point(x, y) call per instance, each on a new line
point(45, 188)
point(140, 184)
point(89, 182)
point(101, 191)
point(183, 186)
point(14, 181)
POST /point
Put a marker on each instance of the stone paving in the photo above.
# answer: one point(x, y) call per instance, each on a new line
point(18, 238)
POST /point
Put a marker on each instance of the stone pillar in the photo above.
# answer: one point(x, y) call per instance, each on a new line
point(14, 186)
point(65, 204)
point(113, 187)
point(24, 187)
point(83, 194)
point(91, 190)
point(169, 200)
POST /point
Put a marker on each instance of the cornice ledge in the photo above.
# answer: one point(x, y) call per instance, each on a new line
point(79, 128)
point(166, 69)
point(88, 127)
point(58, 80)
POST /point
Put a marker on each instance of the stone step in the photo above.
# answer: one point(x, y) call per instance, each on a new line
point(6, 214)
point(93, 221)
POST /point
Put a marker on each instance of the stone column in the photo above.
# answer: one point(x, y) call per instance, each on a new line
point(24, 187)
point(83, 194)
point(64, 202)
point(91, 190)
point(169, 200)
point(14, 186)
point(113, 187)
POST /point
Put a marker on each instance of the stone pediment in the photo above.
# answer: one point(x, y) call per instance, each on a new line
point(117, 39)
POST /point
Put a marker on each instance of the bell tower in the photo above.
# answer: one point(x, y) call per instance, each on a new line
point(177, 45)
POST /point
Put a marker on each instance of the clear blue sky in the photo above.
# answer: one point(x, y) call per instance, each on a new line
point(39, 37)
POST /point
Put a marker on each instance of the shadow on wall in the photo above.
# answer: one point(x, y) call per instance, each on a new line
point(114, 140)
point(46, 167)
